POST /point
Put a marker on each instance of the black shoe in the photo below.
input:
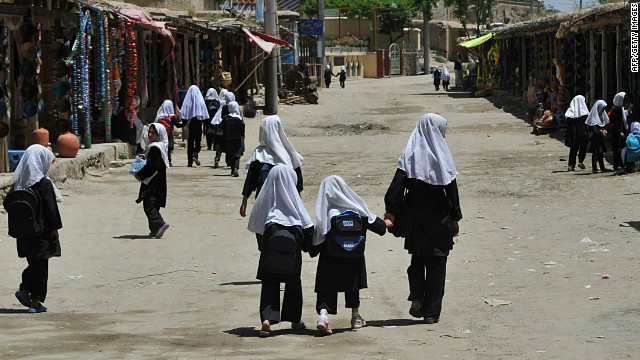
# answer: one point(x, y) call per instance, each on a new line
point(195, 160)
point(235, 173)
point(416, 309)
point(581, 166)
point(189, 165)
point(605, 170)
point(431, 320)
point(216, 165)
point(570, 169)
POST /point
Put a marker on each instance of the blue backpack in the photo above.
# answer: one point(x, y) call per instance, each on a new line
point(633, 148)
point(346, 239)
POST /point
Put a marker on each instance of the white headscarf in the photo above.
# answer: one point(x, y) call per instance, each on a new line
point(328, 67)
point(279, 202)
point(427, 156)
point(434, 72)
point(274, 147)
point(165, 111)
point(578, 108)
point(162, 143)
point(618, 101)
point(334, 198)
point(342, 68)
point(635, 127)
point(212, 94)
point(229, 97)
point(217, 118)
point(234, 109)
point(445, 74)
point(193, 105)
point(596, 116)
point(33, 166)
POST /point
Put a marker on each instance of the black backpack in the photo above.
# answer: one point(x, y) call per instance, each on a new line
point(25, 213)
point(280, 249)
point(234, 128)
point(346, 239)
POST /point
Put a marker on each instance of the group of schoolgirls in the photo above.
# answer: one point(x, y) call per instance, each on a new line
point(160, 143)
point(284, 229)
point(587, 131)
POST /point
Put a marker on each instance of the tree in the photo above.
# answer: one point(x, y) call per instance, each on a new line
point(426, 6)
point(460, 10)
point(482, 10)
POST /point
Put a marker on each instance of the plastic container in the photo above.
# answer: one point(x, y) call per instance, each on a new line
point(14, 159)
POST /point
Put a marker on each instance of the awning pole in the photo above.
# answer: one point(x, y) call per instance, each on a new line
point(270, 81)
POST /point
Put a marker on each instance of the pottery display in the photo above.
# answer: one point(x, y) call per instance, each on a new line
point(68, 145)
point(40, 136)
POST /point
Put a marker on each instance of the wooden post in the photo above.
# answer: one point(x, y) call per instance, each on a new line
point(603, 65)
point(155, 64)
point(185, 49)
point(619, 58)
point(592, 68)
point(197, 61)
point(523, 70)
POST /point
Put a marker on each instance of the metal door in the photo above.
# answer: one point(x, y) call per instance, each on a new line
point(394, 54)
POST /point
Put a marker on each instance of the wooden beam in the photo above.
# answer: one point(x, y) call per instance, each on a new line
point(197, 61)
point(618, 57)
point(592, 69)
point(185, 64)
point(603, 66)
point(523, 69)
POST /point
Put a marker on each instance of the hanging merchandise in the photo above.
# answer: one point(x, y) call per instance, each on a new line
point(131, 73)
point(86, 100)
point(99, 54)
point(106, 78)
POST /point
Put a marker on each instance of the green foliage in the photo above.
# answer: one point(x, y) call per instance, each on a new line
point(440, 59)
point(362, 8)
point(550, 10)
point(460, 10)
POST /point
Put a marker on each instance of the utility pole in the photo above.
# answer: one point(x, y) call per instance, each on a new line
point(539, 6)
point(321, 41)
point(531, 7)
point(580, 4)
point(426, 41)
point(270, 73)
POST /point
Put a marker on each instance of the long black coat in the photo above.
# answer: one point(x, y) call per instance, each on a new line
point(158, 185)
point(576, 132)
point(43, 247)
point(341, 274)
point(433, 208)
point(304, 243)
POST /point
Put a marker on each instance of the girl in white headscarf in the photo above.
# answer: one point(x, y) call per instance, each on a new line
point(213, 104)
point(342, 76)
point(445, 78)
point(436, 78)
point(339, 209)
point(422, 206)
point(619, 128)
point(233, 126)
point(167, 117)
point(30, 176)
point(274, 149)
point(153, 178)
point(327, 76)
point(596, 122)
point(283, 228)
point(576, 135)
point(194, 109)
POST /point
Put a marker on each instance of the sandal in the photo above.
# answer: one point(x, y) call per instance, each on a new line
point(266, 329)
point(24, 300)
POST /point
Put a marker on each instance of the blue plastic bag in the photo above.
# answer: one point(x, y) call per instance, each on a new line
point(137, 165)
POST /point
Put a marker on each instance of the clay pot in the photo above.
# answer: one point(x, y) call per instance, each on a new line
point(40, 136)
point(68, 145)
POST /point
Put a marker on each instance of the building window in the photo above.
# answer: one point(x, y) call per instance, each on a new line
point(338, 61)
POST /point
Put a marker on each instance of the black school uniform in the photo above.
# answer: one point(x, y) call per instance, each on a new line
point(619, 134)
point(210, 132)
point(38, 251)
point(346, 275)
point(154, 195)
point(576, 139)
point(432, 208)
point(233, 140)
point(270, 293)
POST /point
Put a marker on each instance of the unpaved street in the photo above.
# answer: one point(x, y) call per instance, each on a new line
point(533, 235)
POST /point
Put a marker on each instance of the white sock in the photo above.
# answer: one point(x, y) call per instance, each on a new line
point(355, 315)
point(324, 314)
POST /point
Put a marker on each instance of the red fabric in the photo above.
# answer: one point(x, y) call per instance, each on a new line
point(143, 19)
point(264, 41)
point(272, 39)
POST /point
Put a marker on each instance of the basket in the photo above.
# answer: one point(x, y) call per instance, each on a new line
point(226, 79)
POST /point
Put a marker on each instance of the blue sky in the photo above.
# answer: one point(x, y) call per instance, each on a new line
point(568, 5)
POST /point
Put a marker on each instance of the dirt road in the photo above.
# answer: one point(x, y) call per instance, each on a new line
point(533, 235)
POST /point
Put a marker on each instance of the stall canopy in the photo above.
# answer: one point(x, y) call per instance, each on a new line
point(477, 41)
point(143, 19)
point(264, 41)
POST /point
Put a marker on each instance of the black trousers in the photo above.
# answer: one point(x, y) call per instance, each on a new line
point(426, 282)
point(329, 301)
point(34, 279)
point(579, 150)
point(291, 302)
point(209, 141)
point(617, 152)
point(152, 210)
point(195, 138)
